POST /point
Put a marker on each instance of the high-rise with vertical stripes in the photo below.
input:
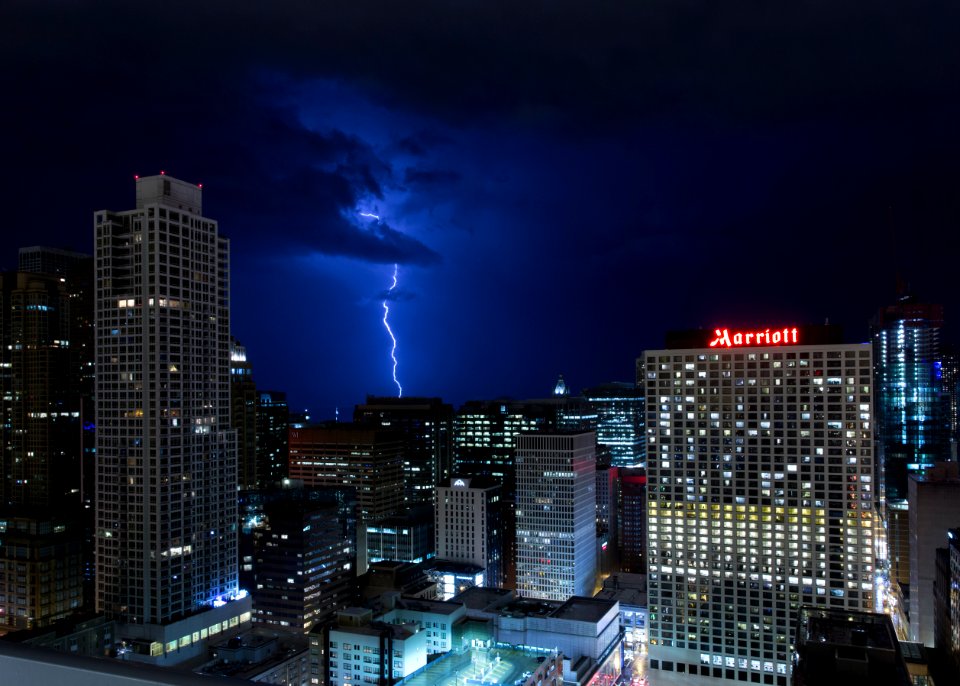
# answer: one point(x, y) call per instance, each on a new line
point(556, 515)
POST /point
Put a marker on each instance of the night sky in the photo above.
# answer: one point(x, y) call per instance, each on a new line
point(559, 182)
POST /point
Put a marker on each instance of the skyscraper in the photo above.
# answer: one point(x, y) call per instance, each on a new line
point(166, 455)
point(41, 536)
point(913, 428)
point(760, 495)
point(556, 515)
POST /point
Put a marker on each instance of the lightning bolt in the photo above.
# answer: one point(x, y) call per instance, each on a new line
point(393, 350)
point(386, 314)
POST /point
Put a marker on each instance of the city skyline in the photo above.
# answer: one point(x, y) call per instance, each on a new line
point(636, 169)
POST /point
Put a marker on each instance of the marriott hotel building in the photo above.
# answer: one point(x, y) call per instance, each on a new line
point(761, 496)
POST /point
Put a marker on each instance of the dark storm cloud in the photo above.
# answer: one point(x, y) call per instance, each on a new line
point(543, 62)
point(668, 160)
point(430, 177)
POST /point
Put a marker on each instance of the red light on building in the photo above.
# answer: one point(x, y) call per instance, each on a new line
point(725, 339)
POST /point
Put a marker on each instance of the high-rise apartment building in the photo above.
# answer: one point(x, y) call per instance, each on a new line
point(556, 514)
point(760, 495)
point(40, 392)
point(947, 601)
point(166, 454)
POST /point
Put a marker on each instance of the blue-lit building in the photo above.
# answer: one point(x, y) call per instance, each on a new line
point(912, 410)
point(619, 410)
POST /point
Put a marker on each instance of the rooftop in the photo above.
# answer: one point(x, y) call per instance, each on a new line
point(490, 667)
point(584, 609)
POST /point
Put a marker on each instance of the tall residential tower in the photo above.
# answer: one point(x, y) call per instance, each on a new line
point(166, 455)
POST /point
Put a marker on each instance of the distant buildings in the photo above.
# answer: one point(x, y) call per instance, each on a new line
point(556, 515)
point(166, 454)
point(485, 435)
point(426, 425)
point(404, 537)
point(760, 494)
point(365, 458)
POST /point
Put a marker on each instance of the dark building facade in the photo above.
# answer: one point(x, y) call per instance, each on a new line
point(846, 646)
point(45, 337)
point(633, 517)
point(427, 428)
point(273, 439)
point(243, 415)
point(304, 559)
point(367, 459)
